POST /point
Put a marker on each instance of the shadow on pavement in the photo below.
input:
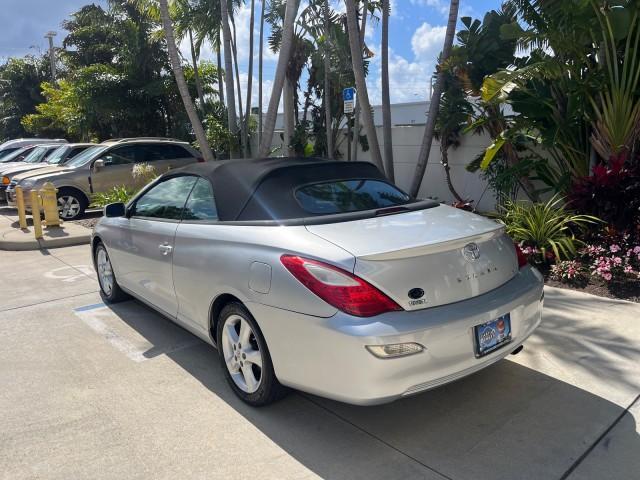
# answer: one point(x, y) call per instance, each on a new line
point(505, 422)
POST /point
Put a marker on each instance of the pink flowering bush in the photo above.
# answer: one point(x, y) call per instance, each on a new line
point(612, 257)
point(569, 271)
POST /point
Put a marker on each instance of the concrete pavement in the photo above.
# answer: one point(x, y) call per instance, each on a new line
point(91, 391)
point(13, 238)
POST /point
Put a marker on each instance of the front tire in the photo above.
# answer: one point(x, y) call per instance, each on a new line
point(71, 204)
point(109, 288)
point(245, 357)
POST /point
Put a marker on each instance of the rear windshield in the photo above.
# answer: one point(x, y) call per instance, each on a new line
point(343, 196)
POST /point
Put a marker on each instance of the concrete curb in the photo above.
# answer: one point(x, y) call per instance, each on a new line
point(16, 239)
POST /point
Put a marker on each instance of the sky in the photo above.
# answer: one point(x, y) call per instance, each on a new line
point(416, 32)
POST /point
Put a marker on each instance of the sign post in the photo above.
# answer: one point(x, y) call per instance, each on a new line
point(349, 101)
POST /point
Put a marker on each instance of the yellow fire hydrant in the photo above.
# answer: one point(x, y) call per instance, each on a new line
point(22, 216)
point(50, 205)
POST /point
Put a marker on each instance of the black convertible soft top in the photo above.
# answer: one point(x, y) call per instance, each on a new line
point(262, 189)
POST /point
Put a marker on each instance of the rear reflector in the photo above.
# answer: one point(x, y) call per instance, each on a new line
point(522, 258)
point(339, 288)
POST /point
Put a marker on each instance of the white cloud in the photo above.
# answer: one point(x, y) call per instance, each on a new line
point(441, 6)
point(409, 80)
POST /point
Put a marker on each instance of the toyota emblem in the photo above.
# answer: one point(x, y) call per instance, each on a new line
point(471, 252)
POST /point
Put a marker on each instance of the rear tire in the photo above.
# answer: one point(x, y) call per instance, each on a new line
point(109, 288)
point(71, 204)
point(245, 358)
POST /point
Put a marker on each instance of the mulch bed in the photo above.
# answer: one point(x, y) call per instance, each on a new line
point(623, 291)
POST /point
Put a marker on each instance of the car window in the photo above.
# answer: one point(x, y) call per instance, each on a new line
point(165, 200)
point(122, 155)
point(37, 155)
point(344, 196)
point(201, 204)
point(57, 155)
point(75, 151)
point(7, 151)
point(88, 155)
point(154, 153)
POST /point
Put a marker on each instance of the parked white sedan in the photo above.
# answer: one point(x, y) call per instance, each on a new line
point(320, 276)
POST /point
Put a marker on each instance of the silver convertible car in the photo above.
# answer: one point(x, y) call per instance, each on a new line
point(320, 276)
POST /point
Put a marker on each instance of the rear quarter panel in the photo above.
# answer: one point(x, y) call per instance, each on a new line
point(214, 259)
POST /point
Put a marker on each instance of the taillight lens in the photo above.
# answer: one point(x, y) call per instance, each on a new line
point(522, 258)
point(339, 288)
point(200, 160)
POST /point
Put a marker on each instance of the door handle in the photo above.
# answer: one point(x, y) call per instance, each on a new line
point(165, 249)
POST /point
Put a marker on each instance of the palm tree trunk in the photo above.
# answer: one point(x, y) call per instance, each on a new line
point(196, 72)
point(288, 115)
point(361, 85)
point(182, 83)
point(234, 48)
point(434, 105)
point(386, 100)
point(356, 110)
point(326, 98)
point(260, 62)
point(245, 138)
point(228, 68)
point(279, 79)
point(221, 83)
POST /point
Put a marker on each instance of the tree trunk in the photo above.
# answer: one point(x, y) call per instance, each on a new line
point(279, 79)
point(356, 110)
point(182, 83)
point(196, 72)
point(228, 68)
point(288, 115)
point(434, 105)
point(326, 98)
point(386, 100)
point(444, 150)
point(221, 83)
point(237, 72)
point(361, 85)
point(260, 62)
point(245, 138)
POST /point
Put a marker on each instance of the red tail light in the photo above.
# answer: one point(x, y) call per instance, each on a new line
point(200, 160)
point(339, 288)
point(522, 258)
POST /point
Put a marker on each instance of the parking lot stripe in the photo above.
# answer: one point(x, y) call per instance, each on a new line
point(89, 307)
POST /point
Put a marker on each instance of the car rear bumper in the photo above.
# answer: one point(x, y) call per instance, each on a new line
point(327, 356)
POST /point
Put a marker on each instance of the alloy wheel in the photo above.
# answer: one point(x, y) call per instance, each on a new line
point(242, 354)
point(105, 272)
point(69, 206)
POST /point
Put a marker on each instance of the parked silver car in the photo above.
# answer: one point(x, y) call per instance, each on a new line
point(102, 167)
point(320, 276)
point(12, 145)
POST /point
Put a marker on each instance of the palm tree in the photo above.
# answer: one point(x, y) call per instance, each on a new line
point(427, 139)
point(245, 136)
point(260, 64)
point(356, 110)
point(386, 101)
point(361, 85)
point(279, 79)
point(234, 49)
point(326, 99)
point(228, 67)
point(182, 83)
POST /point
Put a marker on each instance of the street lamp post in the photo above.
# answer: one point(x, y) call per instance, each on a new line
point(52, 55)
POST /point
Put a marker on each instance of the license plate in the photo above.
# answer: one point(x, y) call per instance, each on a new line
point(492, 335)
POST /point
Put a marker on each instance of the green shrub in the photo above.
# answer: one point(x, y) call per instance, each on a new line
point(114, 195)
point(548, 227)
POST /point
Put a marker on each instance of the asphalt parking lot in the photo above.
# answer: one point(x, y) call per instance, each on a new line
point(90, 391)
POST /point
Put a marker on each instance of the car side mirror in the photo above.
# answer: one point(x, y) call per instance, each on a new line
point(115, 210)
point(98, 165)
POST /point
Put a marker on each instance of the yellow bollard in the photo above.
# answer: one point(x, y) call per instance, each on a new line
point(22, 216)
point(35, 211)
point(50, 205)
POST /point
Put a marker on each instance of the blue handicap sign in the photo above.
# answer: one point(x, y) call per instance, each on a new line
point(348, 94)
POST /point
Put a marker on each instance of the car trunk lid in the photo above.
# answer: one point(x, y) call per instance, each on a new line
point(427, 257)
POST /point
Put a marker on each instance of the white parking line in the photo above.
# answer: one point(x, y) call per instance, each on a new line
point(98, 316)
